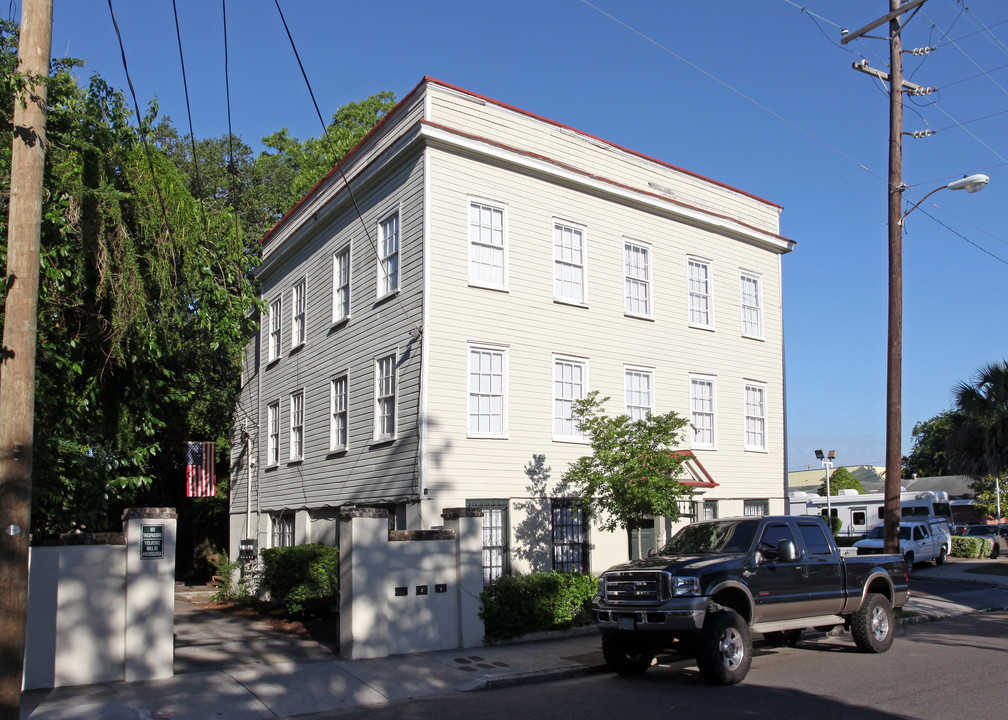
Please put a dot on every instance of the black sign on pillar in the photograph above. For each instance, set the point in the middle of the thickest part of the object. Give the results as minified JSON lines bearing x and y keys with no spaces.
{"x":151,"y":542}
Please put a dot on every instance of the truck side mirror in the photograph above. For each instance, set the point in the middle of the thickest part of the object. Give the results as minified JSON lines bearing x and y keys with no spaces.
{"x":787,"y":551}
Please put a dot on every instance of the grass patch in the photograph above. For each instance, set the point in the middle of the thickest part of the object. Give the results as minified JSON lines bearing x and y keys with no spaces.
{"x":994,"y":569}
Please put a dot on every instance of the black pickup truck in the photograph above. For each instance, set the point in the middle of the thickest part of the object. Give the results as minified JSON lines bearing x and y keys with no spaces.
{"x":716,"y":582}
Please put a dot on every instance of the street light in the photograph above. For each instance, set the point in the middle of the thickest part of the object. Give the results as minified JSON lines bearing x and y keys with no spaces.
{"x":970,"y":183}
{"x":894,"y":372}
{"x":827,"y":462}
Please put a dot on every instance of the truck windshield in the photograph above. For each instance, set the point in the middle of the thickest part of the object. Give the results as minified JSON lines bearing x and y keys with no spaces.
{"x":735,"y":536}
{"x":876,"y":532}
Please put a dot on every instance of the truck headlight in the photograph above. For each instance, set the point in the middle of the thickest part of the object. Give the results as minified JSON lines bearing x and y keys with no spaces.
{"x":682,"y":586}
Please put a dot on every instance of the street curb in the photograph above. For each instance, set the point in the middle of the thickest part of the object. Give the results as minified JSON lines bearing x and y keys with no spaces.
{"x":542,"y":676}
{"x":918,"y":619}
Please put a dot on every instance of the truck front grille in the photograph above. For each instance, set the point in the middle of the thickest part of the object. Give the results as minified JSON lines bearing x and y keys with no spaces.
{"x":635,"y":587}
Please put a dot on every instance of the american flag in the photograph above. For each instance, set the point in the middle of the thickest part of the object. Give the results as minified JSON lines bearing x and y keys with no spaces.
{"x":201,"y":476}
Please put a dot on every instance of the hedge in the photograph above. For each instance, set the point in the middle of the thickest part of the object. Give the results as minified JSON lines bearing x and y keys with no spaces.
{"x":303,"y":578}
{"x":516,"y":605}
{"x":971,"y":547}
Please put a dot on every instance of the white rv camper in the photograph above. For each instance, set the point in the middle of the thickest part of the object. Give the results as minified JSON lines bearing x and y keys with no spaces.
{"x":859,"y":513}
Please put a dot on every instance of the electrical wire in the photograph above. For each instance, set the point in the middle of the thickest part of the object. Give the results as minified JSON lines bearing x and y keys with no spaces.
{"x":782,"y":118}
{"x":735,"y":90}
{"x":232,"y":165}
{"x":963,"y":237}
{"x":140,"y":125}
{"x":966,"y":55}
{"x":192,"y":136}
{"x":339,"y":165}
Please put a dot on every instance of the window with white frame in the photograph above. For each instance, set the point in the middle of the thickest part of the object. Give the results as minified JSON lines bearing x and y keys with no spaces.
{"x":297,"y":425}
{"x":701,"y":308}
{"x":755,"y":416}
{"x":751,"y":292}
{"x":755,"y":507}
{"x":637,"y":279}
{"x":385,"y":398}
{"x":283,"y":530}
{"x":570,"y":379}
{"x":569,"y":256}
{"x":487,"y":244}
{"x":703,"y":405}
{"x":388,"y":259}
{"x":275,"y":320}
{"x":273,"y":433}
{"x":710,"y":509}
{"x":639,"y":391}
{"x":487,"y":391}
{"x":338,"y":425}
{"x":298,"y":314}
{"x":341,"y":285}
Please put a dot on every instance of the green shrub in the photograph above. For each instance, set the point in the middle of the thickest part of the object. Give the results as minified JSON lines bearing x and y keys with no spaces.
{"x":521,"y":604}
{"x":971,"y":547}
{"x":234,"y":586}
{"x":304,"y":579}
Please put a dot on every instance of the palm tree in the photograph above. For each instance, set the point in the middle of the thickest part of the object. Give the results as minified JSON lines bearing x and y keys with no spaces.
{"x":977,"y":444}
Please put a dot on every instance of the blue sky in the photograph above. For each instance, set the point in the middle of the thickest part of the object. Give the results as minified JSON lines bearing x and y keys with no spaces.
{"x":758,"y":95}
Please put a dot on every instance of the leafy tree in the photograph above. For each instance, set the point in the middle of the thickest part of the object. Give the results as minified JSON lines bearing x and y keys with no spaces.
{"x":841,"y":479}
{"x":985,"y":495}
{"x":633,"y":468}
{"x":289,"y":168}
{"x":927,"y":456}
{"x":978,"y":441}
{"x":145,"y":292}
{"x":141,"y":309}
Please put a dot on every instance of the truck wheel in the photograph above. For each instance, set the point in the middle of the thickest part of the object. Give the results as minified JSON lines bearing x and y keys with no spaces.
{"x":724,"y":652}
{"x":996,"y":552}
{"x":872,"y":626}
{"x":909,"y":558}
{"x":624,"y":656}
{"x":942,"y":556}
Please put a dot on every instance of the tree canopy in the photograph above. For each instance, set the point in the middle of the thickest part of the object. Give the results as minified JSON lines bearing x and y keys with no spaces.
{"x":927,"y":456}
{"x":977,"y":441}
{"x":146,"y":288}
{"x":841,"y":479}
{"x":633,"y":470}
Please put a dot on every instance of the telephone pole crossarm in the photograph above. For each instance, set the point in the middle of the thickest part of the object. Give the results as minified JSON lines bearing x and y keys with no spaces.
{"x":908,"y":87}
{"x":910,"y":5}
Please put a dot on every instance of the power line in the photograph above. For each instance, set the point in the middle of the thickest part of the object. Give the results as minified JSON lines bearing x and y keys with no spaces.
{"x":232,"y":165}
{"x":734,"y":89}
{"x":339,"y":165}
{"x":192,"y":137}
{"x":140,"y":124}
{"x":963,"y":237}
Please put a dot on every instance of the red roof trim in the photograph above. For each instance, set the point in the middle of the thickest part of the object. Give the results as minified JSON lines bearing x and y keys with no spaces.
{"x":349,"y":157}
{"x":708,"y":483}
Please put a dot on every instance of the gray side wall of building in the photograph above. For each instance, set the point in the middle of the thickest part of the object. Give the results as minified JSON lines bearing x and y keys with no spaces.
{"x":366,"y":471}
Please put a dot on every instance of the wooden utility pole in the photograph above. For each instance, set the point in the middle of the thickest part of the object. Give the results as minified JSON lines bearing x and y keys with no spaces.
{"x":894,"y":365}
{"x":894,"y":374}
{"x":17,"y":365}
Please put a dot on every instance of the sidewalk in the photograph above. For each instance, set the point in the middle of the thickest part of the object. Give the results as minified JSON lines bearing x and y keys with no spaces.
{"x":241,"y":669}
